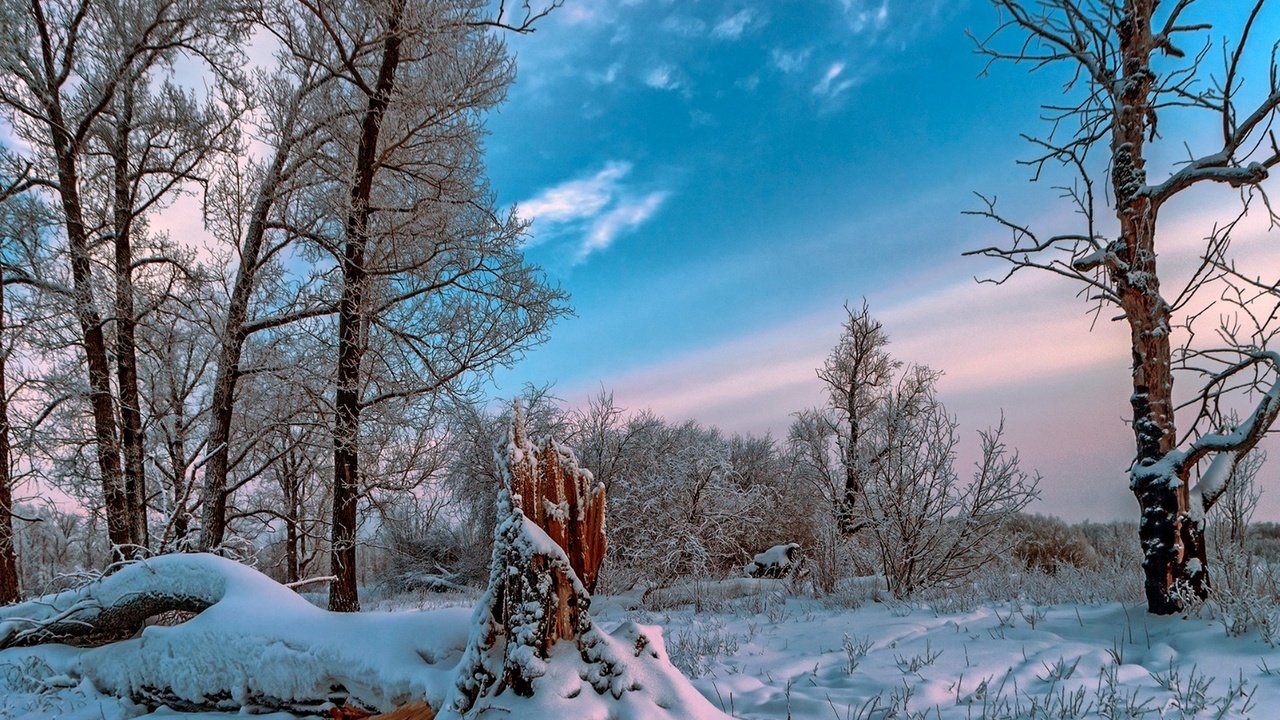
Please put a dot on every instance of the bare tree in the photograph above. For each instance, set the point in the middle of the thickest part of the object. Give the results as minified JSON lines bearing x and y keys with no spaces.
{"x":1128,"y":65}
{"x":433,"y":286}
{"x":77,"y":74}
{"x":928,"y":527}
{"x":856,"y":373}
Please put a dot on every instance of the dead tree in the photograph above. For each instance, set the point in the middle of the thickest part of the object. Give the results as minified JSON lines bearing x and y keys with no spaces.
{"x":1127,"y":63}
{"x":547,"y":551}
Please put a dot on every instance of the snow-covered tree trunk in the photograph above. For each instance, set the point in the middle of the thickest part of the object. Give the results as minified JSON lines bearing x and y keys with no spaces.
{"x":548,"y":546}
{"x":532,"y":631}
{"x":1127,"y":59}
{"x":8,"y":556}
{"x":1163,"y":499}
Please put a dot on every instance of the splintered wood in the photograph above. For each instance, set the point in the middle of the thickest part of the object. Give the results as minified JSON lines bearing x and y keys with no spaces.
{"x":558,"y":496}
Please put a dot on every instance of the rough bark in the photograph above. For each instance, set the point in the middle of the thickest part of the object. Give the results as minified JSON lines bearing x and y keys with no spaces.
{"x":126,"y":323}
{"x":8,"y":554}
{"x":1169,"y":538}
{"x":101,"y":401}
{"x":343,"y":597}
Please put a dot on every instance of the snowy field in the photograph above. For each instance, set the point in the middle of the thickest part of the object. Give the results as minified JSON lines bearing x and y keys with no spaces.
{"x":762,"y":655}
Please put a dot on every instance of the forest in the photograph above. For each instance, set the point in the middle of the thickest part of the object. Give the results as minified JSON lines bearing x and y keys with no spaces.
{"x":256,"y":283}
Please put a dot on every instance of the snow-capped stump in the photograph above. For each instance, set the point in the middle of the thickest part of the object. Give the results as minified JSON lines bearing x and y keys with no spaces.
{"x":533,"y":649}
{"x":779,"y":561}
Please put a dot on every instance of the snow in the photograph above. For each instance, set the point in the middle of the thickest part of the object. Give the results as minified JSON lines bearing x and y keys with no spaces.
{"x":778,"y":556}
{"x":759,"y":657}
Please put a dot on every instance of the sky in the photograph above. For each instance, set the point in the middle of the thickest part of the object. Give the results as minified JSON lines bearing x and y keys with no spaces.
{"x":713,"y":180}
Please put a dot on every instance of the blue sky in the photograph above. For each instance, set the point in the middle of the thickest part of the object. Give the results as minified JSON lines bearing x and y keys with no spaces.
{"x":735,"y":164}
{"x":712,"y":180}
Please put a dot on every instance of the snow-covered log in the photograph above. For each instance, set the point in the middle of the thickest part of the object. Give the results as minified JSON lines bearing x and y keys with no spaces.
{"x":256,"y":644}
{"x":534,"y":650}
{"x":779,"y":561}
{"x":115,"y":607}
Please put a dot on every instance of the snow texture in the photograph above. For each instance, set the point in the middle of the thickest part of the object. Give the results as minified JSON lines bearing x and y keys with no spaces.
{"x":765,"y":660}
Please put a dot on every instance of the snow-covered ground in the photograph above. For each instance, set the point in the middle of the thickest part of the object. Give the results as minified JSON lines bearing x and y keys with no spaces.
{"x":798,"y":658}
{"x":768,"y":655}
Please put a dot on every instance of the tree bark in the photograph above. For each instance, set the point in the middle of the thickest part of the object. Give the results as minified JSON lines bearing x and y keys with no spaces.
{"x":548,"y":547}
{"x":8,"y":554}
{"x":1168,"y":536}
{"x":222,"y":407}
{"x":126,"y":353}
{"x":343,"y":597}
{"x":115,"y":494}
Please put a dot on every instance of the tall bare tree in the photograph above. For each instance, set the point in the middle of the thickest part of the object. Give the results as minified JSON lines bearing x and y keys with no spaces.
{"x":9,"y":188}
{"x":77,"y":75}
{"x":858,"y":373}
{"x":1128,"y":64}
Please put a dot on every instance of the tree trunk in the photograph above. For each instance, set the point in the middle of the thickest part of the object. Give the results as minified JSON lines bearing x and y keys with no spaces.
{"x":1169,"y":538}
{"x":290,"y":486}
{"x":131,"y":436}
{"x":178,"y":467}
{"x":343,"y":596}
{"x":548,"y":547}
{"x":114,"y":492}
{"x":222,"y":408}
{"x":8,"y":555}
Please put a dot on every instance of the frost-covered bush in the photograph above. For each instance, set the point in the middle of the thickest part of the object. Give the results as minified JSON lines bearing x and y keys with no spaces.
{"x":689,"y":502}
{"x":929,"y":527}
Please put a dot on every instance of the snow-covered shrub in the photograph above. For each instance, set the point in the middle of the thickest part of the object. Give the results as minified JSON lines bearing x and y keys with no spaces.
{"x":687,"y":502}
{"x":696,"y":648}
{"x":929,"y":527}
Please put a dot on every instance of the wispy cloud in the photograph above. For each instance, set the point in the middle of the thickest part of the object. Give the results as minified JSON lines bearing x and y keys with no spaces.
{"x":790,"y":61}
{"x":732,"y":27}
{"x":834,"y":82}
{"x":626,"y":216}
{"x":863,"y":15}
{"x":662,"y":77}
{"x":596,"y":210}
{"x":577,"y":199}
{"x":684,"y":25}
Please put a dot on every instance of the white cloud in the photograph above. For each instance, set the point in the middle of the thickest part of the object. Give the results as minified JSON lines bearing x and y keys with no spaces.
{"x":627,"y":215}
{"x":832,"y":83}
{"x":684,"y":26}
{"x":863,"y":15}
{"x":731,"y":28}
{"x":598,"y":208}
{"x":576,"y":199}
{"x":662,"y":77}
{"x":607,"y":77}
{"x":790,"y":61}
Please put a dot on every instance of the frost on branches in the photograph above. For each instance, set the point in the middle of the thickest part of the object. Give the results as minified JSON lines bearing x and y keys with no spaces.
{"x":533,"y":647}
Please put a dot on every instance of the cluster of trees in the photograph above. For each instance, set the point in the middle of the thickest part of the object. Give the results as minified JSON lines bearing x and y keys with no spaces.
{"x":310,"y":358}
{"x":353,"y":273}
{"x":866,"y":484}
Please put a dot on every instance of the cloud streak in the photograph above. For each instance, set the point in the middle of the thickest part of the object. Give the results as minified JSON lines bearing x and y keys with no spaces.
{"x":732,"y":27}
{"x":834,"y":82}
{"x":594,"y":210}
